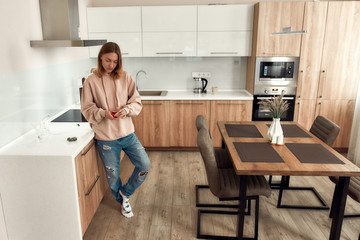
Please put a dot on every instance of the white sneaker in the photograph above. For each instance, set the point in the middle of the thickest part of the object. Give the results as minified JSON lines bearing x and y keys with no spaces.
{"x":126,"y":207}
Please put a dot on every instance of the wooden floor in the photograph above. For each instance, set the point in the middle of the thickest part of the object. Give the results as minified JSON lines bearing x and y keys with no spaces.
{"x":164,"y":207}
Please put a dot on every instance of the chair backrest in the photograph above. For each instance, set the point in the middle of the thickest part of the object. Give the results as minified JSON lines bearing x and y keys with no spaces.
{"x":201,"y":122}
{"x":325,"y":129}
{"x":208,"y":155}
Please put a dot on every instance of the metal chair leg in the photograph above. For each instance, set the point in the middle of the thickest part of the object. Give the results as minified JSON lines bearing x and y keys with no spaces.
{"x":284,"y":186}
{"x":207,"y":236}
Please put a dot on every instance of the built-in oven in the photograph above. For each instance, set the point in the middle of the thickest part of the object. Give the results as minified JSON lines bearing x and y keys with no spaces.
{"x":267,"y":92}
{"x":262,"y":114}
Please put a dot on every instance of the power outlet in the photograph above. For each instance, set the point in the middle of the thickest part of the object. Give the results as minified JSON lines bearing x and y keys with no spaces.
{"x":201,"y":74}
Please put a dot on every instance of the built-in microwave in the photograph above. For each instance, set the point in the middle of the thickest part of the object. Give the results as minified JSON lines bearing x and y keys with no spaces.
{"x":276,"y":70}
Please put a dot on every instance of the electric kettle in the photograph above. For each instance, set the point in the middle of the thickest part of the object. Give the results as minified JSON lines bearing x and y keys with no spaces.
{"x":200,"y":85}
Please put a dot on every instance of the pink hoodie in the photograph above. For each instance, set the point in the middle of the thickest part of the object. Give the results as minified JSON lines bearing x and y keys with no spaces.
{"x":100,"y":94}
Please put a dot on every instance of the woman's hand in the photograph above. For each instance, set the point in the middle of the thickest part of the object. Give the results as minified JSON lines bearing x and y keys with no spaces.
{"x":114,"y":115}
{"x":121,"y":114}
{"x":109,"y":115}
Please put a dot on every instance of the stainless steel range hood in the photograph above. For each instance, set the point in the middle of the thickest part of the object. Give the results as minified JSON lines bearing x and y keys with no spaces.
{"x":60,"y":25}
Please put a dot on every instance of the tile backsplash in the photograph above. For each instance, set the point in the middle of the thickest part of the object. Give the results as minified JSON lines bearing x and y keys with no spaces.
{"x":27,"y":97}
{"x":176,"y":73}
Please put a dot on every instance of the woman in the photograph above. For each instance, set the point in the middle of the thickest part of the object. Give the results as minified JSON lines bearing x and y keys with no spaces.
{"x":108,"y":102}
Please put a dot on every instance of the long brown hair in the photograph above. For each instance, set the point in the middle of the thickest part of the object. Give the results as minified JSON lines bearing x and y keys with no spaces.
{"x":109,"y":47}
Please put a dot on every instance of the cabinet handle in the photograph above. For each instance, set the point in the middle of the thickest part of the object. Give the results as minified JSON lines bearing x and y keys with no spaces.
{"x":152,"y":103}
{"x":189,"y":103}
{"x":124,"y":53}
{"x":92,"y":186}
{"x":301,"y":82}
{"x":319,"y":108}
{"x":298,"y":115}
{"x":278,"y":53}
{"x":88,"y":149}
{"x":323,"y":83}
{"x":230,"y":104}
{"x":170,"y":53}
{"x":223,"y":52}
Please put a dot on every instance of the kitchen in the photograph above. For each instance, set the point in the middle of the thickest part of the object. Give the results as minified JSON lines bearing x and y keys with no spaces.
{"x":57,"y":72}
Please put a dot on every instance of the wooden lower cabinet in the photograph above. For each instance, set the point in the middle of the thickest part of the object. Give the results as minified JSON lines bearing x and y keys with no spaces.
{"x":183,"y":132}
{"x":227,"y":111}
{"x":91,"y":182}
{"x":152,"y":124}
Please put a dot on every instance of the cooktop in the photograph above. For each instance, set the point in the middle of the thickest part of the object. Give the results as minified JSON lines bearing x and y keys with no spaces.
{"x":72,"y":115}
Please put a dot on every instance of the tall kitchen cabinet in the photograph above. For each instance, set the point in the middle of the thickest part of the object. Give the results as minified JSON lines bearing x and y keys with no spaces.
{"x":116,"y":24}
{"x":329,"y":61}
{"x":269,"y":18}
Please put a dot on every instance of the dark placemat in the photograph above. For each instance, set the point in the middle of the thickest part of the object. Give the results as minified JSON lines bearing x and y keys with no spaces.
{"x":312,"y":153}
{"x":293,"y":131}
{"x":257,"y":152}
{"x":239,"y":130}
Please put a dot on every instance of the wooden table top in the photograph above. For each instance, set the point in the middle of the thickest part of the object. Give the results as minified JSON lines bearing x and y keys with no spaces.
{"x":291,"y":165}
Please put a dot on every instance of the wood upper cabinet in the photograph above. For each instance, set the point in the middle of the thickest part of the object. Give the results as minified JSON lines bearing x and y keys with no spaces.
{"x":341,"y":54}
{"x":91,"y":182}
{"x":272,"y":17}
{"x":183,"y":132}
{"x":152,"y":124}
{"x":227,"y":111}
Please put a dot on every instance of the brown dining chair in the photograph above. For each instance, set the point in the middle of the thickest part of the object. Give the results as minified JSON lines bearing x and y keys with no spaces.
{"x":224,"y":184}
{"x":353,"y":192}
{"x":222,"y":161}
{"x":326,"y":131}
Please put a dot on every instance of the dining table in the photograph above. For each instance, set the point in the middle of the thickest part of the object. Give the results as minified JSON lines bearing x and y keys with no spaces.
{"x":302,"y":154}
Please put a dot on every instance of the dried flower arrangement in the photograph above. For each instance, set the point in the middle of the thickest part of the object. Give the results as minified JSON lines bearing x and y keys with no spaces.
{"x":276,"y":105}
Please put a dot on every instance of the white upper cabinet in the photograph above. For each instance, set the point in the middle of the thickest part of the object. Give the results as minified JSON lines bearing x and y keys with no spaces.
{"x":225,"y":30}
{"x":169,"y":31}
{"x":130,"y":43}
{"x":114,"y":19}
{"x":225,"y":18}
{"x":169,"y":18}
{"x":162,"y":44}
{"x":116,"y":24}
{"x":224,"y":44}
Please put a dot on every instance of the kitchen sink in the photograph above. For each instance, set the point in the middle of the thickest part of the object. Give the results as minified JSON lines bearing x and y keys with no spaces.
{"x":152,"y":93}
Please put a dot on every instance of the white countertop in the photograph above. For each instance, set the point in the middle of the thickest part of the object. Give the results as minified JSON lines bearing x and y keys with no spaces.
{"x":55,"y":141}
{"x":240,"y":94}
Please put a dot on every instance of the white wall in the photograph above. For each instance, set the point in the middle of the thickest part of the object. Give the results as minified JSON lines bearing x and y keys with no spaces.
{"x":34,"y":81}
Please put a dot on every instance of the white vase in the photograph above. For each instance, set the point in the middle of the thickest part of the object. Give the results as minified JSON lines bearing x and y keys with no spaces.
{"x":275,"y":132}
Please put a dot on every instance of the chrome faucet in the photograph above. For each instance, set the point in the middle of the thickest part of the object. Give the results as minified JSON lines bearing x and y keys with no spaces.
{"x":136,"y":78}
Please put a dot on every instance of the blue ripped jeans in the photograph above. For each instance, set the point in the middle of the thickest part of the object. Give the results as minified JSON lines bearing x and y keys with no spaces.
{"x":110,"y":155}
